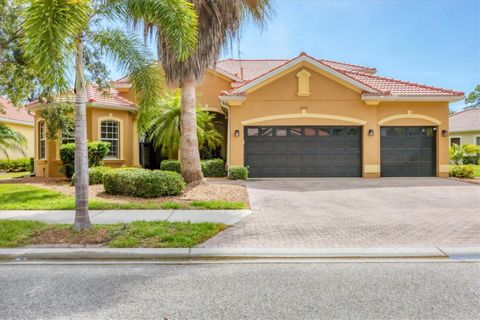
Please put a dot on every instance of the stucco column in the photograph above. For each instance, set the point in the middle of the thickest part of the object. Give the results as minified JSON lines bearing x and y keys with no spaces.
{"x":135,"y":145}
{"x":371,"y":150}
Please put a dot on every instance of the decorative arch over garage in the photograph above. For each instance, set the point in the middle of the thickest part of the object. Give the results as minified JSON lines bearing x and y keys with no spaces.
{"x":409,"y":116}
{"x":303,"y":115}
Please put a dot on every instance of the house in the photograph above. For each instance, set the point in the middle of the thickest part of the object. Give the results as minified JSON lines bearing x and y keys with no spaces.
{"x":19,"y":120}
{"x":465,"y":126}
{"x":299,"y":117}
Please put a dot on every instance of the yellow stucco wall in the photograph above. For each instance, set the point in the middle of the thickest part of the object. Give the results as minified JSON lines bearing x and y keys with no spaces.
{"x":332,"y":103}
{"x":50,"y":166}
{"x":27,"y":132}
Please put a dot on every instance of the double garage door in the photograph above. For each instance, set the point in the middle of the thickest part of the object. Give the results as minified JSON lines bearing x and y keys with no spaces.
{"x":336,"y":151}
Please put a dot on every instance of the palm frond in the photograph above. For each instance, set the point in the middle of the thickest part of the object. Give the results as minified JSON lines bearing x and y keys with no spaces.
{"x":11,"y":140}
{"x":130,"y":55}
{"x":50,"y":29}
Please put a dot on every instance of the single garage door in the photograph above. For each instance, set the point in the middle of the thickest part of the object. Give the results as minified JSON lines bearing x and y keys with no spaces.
{"x":407,"y":151}
{"x":303,"y":151}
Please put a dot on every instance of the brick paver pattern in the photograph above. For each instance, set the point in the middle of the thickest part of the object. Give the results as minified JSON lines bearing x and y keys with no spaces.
{"x":386,"y":212}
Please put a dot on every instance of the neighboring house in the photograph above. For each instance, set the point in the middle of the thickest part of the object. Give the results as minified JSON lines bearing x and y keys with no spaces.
{"x":18,"y":119}
{"x":300,"y":117}
{"x":465,"y":126}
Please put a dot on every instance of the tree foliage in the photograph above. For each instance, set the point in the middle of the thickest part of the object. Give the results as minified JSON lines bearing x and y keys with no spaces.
{"x":164,"y":127}
{"x":11,"y":140}
{"x":458,"y":152}
{"x":473,"y":98}
{"x":59,"y":119}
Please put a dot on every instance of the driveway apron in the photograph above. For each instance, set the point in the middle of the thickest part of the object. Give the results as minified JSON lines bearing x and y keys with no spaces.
{"x":356,"y":212}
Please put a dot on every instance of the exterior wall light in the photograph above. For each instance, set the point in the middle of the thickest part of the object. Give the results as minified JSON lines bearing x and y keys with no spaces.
{"x":237,"y":133}
{"x":371,"y":133}
{"x":444,"y":133}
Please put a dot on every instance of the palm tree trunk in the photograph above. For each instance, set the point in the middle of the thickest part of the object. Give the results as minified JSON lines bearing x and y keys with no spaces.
{"x":189,"y":154}
{"x":82,"y":219}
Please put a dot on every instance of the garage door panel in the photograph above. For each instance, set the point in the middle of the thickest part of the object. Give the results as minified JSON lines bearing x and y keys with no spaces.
{"x":304,"y":151}
{"x":407,"y":151}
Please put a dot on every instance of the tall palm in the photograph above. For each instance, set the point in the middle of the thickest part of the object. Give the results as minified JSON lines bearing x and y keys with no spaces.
{"x":56,"y":33}
{"x":218,"y":23}
{"x":11,"y":140}
{"x":164,"y":127}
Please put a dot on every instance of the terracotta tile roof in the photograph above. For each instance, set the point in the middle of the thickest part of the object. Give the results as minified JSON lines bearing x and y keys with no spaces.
{"x":466,"y":120}
{"x":107,"y":97}
{"x":249,"y":69}
{"x":12,"y":113}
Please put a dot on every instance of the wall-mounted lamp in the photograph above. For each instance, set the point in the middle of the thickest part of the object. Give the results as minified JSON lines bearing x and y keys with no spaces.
{"x":444,"y":133}
{"x":371,"y":133}
{"x":237,"y":133}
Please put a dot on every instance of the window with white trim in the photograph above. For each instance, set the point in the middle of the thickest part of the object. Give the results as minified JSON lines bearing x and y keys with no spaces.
{"x":477,"y":140}
{"x":110,"y":132}
{"x":455,"y":140}
{"x":42,"y":140}
{"x":68,"y":137}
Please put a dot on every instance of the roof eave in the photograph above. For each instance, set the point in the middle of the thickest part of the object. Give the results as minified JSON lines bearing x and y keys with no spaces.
{"x":13,"y":121}
{"x":412,"y":98}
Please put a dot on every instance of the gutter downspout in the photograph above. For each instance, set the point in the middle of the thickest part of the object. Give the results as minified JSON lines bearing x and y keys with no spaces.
{"x":224,"y":105}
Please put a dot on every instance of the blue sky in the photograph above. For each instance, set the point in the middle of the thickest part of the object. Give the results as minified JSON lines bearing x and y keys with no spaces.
{"x":431,"y":42}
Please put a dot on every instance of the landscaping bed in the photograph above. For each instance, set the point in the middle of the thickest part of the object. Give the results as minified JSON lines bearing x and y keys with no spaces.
{"x":36,"y":193}
{"x":139,"y":234}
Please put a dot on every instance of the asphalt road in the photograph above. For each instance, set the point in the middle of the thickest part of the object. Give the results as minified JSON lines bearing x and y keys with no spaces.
{"x":242,"y":291}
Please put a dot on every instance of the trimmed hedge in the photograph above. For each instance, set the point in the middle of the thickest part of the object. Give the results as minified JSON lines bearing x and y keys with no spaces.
{"x":97,"y":150}
{"x":170,"y":165}
{"x":143,"y":183}
{"x":213,"y":168}
{"x":471,"y":159}
{"x":16,"y":165}
{"x":462,"y":171}
{"x":238,"y":173}
{"x":210,"y":168}
{"x":95,"y":175}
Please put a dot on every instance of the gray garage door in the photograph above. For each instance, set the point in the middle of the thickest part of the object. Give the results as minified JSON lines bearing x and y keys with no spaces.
{"x":303,"y":151}
{"x":407,"y":151}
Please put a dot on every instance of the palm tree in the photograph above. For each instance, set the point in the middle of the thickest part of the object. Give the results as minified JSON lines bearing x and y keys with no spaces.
{"x":164,"y":126}
{"x":218,"y":24}
{"x":11,"y":140}
{"x":56,"y":33}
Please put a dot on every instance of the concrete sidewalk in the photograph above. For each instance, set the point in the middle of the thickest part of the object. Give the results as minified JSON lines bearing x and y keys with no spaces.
{"x":238,"y":254}
{"x":228,"y":217}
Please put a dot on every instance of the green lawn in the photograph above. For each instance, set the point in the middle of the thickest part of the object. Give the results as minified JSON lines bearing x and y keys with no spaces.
{"x":139,"y":234}
{"x":26,"y":197}
{"x":9,"y":175}
{"x":476,"y":169}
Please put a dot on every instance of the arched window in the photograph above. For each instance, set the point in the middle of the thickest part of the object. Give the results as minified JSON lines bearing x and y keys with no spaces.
{"x":42,"y":140}
{"x":110,"y":132}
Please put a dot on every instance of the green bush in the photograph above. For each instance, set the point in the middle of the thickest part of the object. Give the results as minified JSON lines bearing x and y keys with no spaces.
{"x":238,"y":173}
{"x":16,"y":165}
{"x":143,"y":183}
{"x":170,"y":165}
{"x":210,"y":168}
{"x":213,"y":168}
{"x":462,"y":171}
{"x":470,"y":159}
{"x":95,"y":175}
{"x":97,"y":150}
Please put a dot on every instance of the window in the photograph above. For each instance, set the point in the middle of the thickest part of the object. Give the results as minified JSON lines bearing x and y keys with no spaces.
{"x":267,"y":132}
{"x":477,"y":140}
{"x":281,"y":132}
{"x":42,"y":140}
{"x":310,"y":132}
{"x":252,"y":132}
{"x":110,"y":132}
{"x":455,"y":141}
{"x":68,"y":137}
{"x":295,"y":132}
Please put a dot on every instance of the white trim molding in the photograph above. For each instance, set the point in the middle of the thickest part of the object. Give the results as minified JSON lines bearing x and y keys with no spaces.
{"x":20,"y":122}
{"x":409,"y":116}
{"x":303,"y":116}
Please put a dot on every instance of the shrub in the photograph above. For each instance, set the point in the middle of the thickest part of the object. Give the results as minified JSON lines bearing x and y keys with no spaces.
{"x":97,"y":150}
{"x":143,"y":183}
{"x":213,"y":168}
{"x":238,"y":173}
{"x":95,"y":175}
{"x":470,"y":159}
{"x":210,"y":168}
{"x":170,"y":165}
{"x":462,"y":171}
{"x":16,"y":165}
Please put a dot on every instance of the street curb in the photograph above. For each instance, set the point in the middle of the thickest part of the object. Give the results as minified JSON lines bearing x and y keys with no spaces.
{"x":192,"y":254}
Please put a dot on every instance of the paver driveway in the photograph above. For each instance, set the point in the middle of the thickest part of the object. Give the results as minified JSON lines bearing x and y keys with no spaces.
{"x":413,"y":212}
